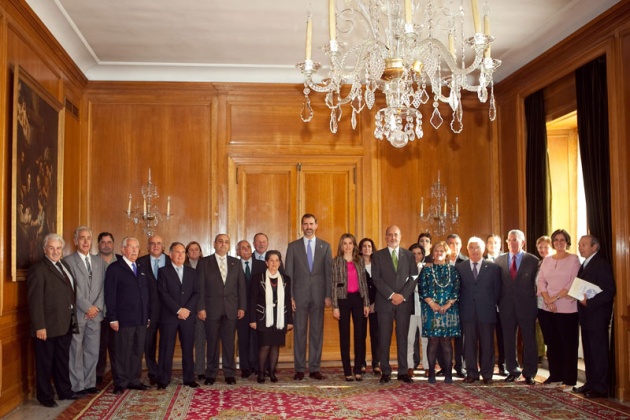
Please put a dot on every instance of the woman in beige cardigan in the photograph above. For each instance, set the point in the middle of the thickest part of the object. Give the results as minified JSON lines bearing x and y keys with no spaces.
{"x":350,"y":299}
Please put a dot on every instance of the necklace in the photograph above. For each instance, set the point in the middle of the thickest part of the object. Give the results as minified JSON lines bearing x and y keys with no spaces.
{"x":435,"y":279}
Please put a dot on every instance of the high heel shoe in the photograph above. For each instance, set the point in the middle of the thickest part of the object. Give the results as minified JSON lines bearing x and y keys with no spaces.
{"x":272,"y":377}
{"x":358,"y":378}
{"x":377,"y":371}
{"x":261,"y":379}
{"x":349,"y":378}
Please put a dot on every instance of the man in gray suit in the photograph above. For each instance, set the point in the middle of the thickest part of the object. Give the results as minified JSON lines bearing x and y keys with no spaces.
{"x":392,"y":271}
{"x":518,"y":306}
{"x":222,"y":300}
{"x":89,"y":274}
{"x":480,"y":288}
{"x":308,"y":265}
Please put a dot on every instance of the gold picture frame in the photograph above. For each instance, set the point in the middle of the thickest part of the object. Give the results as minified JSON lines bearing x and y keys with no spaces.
{"x":37,"y":171}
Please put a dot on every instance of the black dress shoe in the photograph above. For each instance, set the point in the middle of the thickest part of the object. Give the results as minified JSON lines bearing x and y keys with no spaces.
{"x":503,"y":372}
{"x":92,"y":390}
{"x":316,"y":375}
{"x":161,"y":386}
{"x":83,"y":392}
{"x":139,"y":387}
{"x":72,"y":396}
{"x":461,"y":373}
{"x":261,"y":379}
{"x":594,"y":394}
{"x":298,"y":376}
{"x":210,"y":381}
{"x":384,"y":379}
{"x":487,"y":381}
{"x":511,"y":378}
{"x":246,"y":374}
{"x":529,"y":380}
{"x":580,"y":389}
{"x":153,"y":380}
{"x":192,"y":384}
{"x":201,"y":377}
{"x":118,"y":390}
{"x":470,"y":380}
{"x":273,"y":377}
{"x":405,"y":378}
{"x":230,"y":381}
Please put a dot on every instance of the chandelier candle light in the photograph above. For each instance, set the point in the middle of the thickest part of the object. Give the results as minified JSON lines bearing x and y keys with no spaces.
{"x":396,"y":46}
{"x":441,"y":216}
{"x":149,"y":216}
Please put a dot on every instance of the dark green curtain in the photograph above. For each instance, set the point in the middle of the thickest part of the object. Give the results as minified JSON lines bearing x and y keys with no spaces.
{"x":537,"y":181}
{"x":592,"y":113}
{"x":592,"y":104}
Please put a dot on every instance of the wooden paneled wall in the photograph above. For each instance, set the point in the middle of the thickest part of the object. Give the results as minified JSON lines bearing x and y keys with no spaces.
{"x":607,"y":35}
{"x":25,"y":43}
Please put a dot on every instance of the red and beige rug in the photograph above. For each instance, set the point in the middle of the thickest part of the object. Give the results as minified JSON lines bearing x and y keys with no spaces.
{"x":334,"y":398}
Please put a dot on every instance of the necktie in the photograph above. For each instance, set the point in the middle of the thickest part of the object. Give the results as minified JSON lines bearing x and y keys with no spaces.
{"x":248,"y":272}
{"x":89,"y":267}
{"x":513,"y":267}
{"x":395,"y":260}
{"x":66,"y":278}
{"x":156,"y":266}
{"x":309,"y":255}
{"x":135,"y":268}
{"x":179,"y":274}
{"x":223,"y":269}
{"x":475,"y":272}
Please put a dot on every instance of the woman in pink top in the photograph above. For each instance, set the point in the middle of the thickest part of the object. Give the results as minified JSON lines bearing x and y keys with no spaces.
{"x":558,"y":316}
{"x":350,"y":298}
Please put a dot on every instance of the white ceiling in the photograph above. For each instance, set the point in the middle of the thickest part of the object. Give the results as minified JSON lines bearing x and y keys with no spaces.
{"x":258,"y":40}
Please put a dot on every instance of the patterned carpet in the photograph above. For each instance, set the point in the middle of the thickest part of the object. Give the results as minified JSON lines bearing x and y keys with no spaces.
{"x":338,"y":399}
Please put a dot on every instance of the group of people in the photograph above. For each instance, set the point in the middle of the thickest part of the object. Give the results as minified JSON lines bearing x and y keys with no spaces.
{"x":86,"y":306}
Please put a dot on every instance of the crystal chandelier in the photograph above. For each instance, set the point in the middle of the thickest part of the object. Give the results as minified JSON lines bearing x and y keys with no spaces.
{"x":148,"y":216}
{"x":443,"y":217}
{"x":414,"y":51}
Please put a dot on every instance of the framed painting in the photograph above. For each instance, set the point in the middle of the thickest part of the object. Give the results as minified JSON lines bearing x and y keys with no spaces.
{"x":37,"y":171}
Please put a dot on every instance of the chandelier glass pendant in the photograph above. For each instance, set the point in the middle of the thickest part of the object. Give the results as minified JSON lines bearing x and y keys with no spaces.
{"x":414,"y":51}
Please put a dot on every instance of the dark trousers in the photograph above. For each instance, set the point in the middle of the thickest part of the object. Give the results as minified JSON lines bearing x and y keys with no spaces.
{"x":150,"y":350}
{"x":129,"y":349}
{"x":595,"y":344}
{"x":372,"y":324}
{"x":52,"y":358}
{"x":247,"y":355}
{"x":500,"y":347}
{"x":386,"y":318}
{"x":459,"y":353}
{"x":530,"y":346}
{"x":562,"y":338}
{"x":223,"y":331}
{"x":352,"y":307}
{"x":168,"y":335}
{"x":106,"y":345}
{"x":478,"y":345}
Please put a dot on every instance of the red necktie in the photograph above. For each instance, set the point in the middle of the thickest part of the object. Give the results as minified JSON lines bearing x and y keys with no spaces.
{"x":513,"y":267}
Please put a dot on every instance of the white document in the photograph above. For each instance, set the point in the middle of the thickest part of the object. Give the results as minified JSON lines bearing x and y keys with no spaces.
{"x":581,"y":287}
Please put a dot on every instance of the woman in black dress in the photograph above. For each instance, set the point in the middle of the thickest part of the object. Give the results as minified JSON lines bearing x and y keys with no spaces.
{"x":270,"y":314}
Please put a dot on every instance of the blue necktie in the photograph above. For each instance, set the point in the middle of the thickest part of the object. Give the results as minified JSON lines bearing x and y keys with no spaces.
{"x":135,"y":268}
{"x":179,"y":274}
{"x":156,"y":266}
{"x":309,"y":255}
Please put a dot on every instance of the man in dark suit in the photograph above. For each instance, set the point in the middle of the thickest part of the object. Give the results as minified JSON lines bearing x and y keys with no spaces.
{"x":152,"y":262}
{"x":309,"y":266}
{"x":247,"y":342}
{"x":595,"y":313}
{"x":128,"y":306}
{"x":392,"y":271}
{"x":51,"y":306}
{"x":106,"y":344}
{"x":222,"y":300}
{"x":179,"y":291}
{"x":454,"y":242}
{"x":88,"y":272}
{"x":518,"y":306}
{"x":479,"y":292}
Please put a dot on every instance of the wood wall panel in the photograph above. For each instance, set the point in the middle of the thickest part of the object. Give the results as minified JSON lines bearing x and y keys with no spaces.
{"x":607,"y":35}
{"x":170,"y":138}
